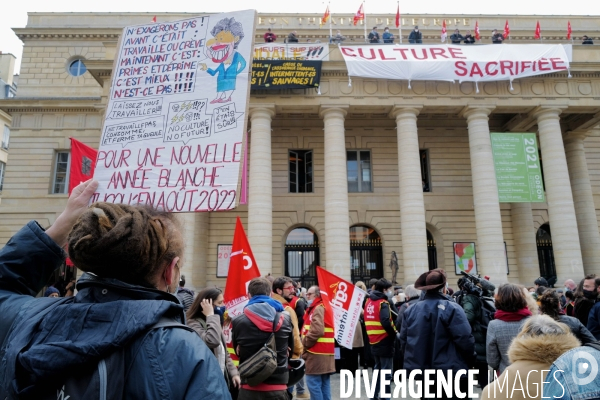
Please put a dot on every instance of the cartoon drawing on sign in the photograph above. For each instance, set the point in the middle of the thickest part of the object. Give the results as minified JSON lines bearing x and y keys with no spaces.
{"x":227,"y":34}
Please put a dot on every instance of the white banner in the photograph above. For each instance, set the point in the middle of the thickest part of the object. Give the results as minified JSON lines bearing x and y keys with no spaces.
{"x":174,"y":124}
{"x":292,"y":51}
{"x":474,"y":63}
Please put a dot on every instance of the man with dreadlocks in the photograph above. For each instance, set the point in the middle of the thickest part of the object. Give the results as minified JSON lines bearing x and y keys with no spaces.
{"x":227,"y":35}
{"x":123,"y":334}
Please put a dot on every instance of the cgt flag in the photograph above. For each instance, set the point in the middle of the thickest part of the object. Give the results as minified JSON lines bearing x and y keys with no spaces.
{"x":83,"y":163}
{"x":538,"y":31}
{"x":444,"y":32}
{"x":477,"y":34}
{"x":242,"y":269}
{"x":343,"y":302}
{"x":360,"y":15}
{"x":398,"y":17}
{"x":569,"y":30}
{"x":506,"y":32}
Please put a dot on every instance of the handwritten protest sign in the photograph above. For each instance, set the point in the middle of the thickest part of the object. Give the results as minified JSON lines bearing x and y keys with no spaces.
{"x":174,"y":124}
{"x":291,"y":51}
{"x":279,"y":74}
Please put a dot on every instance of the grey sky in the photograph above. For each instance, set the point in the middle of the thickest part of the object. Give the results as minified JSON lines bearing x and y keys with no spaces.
{"x":15,"y":14}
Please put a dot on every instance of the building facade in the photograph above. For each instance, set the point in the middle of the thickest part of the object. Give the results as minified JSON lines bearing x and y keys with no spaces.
{"x":344,"y":177}
{"x":8,"y":89}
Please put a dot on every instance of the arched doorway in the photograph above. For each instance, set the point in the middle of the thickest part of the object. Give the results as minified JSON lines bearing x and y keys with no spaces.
{"x":543,"y":239}
{"x":302,"y":256}
{"x":431,"y":251}
{"x":366,"y":254}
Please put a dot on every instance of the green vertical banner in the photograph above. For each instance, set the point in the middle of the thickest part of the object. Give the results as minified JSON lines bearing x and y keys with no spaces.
{"x":518,"y":172}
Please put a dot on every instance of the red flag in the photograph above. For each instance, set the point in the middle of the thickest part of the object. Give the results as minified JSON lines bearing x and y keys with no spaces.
{"x":242,"y":269}
{"x":398,"y":17}
{"x":477,"y":34}
{"x":569,"y":30}
{"x":83,"y":163}
{"x":325,"y":16}
{"x":538,"y":31}
{"x":444,"y":33}
{"x":343,"y":303}
{"x":324,"y":279}
{"x":506,"y":32}
{"x":154,"y":19}
{"x":360,"y":15}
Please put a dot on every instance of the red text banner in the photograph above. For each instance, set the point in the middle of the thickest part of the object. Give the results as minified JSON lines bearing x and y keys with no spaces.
{"x":346,"y":302}
{"x":456,"y":63}
{"x":173,"y":131}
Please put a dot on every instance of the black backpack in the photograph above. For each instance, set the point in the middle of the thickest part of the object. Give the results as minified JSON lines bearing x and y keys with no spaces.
{"x":104,"y":381}
{"x":488,"y":309}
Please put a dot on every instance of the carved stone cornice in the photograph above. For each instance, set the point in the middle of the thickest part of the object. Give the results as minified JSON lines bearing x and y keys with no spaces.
{"x":52,"y":105}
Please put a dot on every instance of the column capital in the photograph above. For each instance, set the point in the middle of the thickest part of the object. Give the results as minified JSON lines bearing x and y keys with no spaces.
{"x":546,"y":111}
{"x":398,"y":110}
{"x":330,"y":108}
{"x":268,"y":108}
{"x":576,"y":135}
{"x":479,"y":110}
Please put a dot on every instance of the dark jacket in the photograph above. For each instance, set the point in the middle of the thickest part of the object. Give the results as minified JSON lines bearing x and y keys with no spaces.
{"x":186,"y":297}
{"x":469,"y":39}
{"x":577,"y":329}
{"x":388,"y":37}
{"x":593,"y":324}
{"x":498,"y":38}
{"x":292,"y":38}
{"x":47,"y":339}
{"x":415,"y":37}
{"x":373,"y":37}
{"x":472,"y":306}
{"x":436,"y":335}
{"x":402,"y":309}
{"x":456,"y":38}
{"x":384,"y":348}
{"x":583,"y":307}
{"x":252,"y":329}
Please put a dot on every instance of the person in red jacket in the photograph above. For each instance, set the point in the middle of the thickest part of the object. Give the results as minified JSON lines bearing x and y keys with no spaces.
{"x":319,"y":348}
{"x":269,"y":36}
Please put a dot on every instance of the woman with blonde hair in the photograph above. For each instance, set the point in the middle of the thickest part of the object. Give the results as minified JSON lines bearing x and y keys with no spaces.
{"x":541,"y":341}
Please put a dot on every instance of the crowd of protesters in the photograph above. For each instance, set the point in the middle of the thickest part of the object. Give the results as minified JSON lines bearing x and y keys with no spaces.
{"x":133,"y":330}
{"x":414,"y":37}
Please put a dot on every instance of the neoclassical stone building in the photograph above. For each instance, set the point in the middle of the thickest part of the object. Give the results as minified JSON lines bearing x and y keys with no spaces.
{"x":364,"y":170}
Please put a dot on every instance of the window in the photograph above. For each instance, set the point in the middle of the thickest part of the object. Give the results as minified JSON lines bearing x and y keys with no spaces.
{"x":2,"y":169}
{"x":77,"y":68}
{"x":301,"y":171}
{"x":358,"y":163}
{"x":5,"y":137}
{"x":424,"y":155}
{"x":60,"y":181}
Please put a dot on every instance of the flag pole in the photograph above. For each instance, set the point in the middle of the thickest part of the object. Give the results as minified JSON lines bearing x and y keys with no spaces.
{"x":399,"y":23}
{"x":365,"y":21}
{"x":330,"y":28}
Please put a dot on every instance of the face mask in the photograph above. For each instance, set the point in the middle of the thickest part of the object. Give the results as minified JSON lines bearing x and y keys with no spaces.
{"x":389,"y":293}
{"x":590,"y":294}
{"x":220,"y":311}
{"x":309,"y":302}
{"x":416,"y":30}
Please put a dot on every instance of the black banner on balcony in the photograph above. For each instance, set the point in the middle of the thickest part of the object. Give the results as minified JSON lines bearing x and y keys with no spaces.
{"x":285,"y":74}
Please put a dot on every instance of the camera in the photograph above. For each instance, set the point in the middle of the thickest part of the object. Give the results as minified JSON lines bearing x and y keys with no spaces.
{"x":486,"y":287}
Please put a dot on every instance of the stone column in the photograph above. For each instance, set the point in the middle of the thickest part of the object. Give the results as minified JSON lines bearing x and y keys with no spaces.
{"x":260,"y":197}
{"x":527,"y":269}
{"x":585,"y":210}
{"x":490,"y":253}
{"x":412,"y":207}
{"x":563,"y":221}
{"x":195,"y":257}
{"x":337,"y":222}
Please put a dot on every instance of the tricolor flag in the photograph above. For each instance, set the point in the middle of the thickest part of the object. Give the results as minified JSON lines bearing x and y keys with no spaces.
{"x":360,"y":15}
{"x":398,"y":17}
{"x":569,"y":30}
{"x":83,"y":163}
{"x":444,"y":33}
{"x":477,"y":34}
{"x":242,"y":269}
{"x":154,"y":19}
{"x":506,"y":32}
{"x":325,"y":17}
{"x":343,"y":304}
